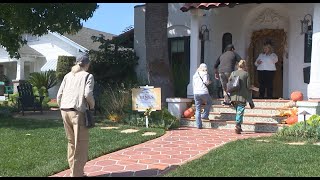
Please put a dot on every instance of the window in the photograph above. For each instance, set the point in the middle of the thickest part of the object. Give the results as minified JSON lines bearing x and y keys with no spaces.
{"x":308,"y":45}
{"x":31,"y":38}
{"x":306,"y":74}
{"x":226,"y":40}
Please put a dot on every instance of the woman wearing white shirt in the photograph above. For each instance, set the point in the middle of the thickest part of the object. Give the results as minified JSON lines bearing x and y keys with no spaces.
{"x":266,"y":69}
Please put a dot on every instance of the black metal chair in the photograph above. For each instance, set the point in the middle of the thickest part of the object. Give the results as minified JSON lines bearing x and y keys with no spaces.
{"x":27,"y":101}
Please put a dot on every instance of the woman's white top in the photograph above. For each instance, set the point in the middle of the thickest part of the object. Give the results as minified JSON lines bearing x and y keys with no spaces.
{"x":268,"y":62}
{"x":199,"y":86}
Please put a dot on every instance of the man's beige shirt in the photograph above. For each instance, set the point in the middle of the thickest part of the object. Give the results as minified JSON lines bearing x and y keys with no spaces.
{"x":75,"y":93}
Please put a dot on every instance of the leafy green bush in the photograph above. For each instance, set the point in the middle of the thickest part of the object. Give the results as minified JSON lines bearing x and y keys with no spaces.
{"x":46,"y":79}
{"x":6,"y":110}
{"x":113,"y":63}
{"x":163,"y":119}
{"x":42,"y":92}
{"x":157,"y":119}
{"x":311,"y":130}
{"x":64,"y":66}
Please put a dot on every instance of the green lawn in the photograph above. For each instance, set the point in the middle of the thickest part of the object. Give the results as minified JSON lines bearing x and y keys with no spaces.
{"x":39,"y":147}
{"x":251,"y":158}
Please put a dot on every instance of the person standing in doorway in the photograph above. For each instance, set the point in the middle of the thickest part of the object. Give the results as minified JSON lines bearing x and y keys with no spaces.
{"x":240,"y":97}
{"x":266,"y":69}
{"x":201,"y":94}
{"x":75,"y":92}
{"x":223,"y":67}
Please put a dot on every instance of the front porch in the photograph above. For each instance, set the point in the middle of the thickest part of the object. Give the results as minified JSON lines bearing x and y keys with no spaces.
{"x":245,"y":31}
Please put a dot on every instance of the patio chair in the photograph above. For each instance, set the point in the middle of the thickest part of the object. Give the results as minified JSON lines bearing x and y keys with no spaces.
{"x":27,"y":101}
{"x":8,"y":89}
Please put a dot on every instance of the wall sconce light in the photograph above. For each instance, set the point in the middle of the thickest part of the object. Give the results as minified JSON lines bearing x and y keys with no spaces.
{"x":305,"y":24}
{"x":204,"y":33}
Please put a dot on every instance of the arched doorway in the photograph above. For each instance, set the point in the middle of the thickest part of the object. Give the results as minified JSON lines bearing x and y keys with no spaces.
{"x":278,"y":41}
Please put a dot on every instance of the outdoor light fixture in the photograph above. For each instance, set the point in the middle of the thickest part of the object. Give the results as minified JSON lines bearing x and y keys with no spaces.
{"x":305,"y":23}
{"x":304,"y":113}
{"x":204,"y":33}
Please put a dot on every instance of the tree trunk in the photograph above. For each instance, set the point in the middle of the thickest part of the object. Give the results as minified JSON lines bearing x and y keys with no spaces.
{"x":156,"y":37}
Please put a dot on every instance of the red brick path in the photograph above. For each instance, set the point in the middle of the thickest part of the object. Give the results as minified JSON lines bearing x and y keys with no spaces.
{"x":157,"y":156}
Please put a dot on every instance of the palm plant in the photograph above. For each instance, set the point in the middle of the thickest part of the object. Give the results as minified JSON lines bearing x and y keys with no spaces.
{"x":46,"y":79}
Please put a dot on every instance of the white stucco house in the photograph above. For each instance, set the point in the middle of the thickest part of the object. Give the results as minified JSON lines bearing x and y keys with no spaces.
{"x":247,"y":26}
{"x":41,"y":53}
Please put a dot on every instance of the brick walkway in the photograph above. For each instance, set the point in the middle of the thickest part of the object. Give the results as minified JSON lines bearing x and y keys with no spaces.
{"x":157,"y":156}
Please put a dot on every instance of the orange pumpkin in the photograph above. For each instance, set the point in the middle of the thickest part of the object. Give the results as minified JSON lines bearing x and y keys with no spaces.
{"x":188,"y":113}
{"x":292,"y":120}
{"x":296,"y":96}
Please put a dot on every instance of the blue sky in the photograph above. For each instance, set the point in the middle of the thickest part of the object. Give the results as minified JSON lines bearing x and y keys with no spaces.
{"x":112,"y":17}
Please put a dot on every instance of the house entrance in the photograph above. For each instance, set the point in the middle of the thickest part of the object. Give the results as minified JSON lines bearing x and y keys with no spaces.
{"x":277,"y":38}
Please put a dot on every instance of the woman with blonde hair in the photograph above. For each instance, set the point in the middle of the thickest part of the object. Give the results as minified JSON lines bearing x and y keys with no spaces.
{"x":74,"y":96}
{"x":201,"y":93}
{"x":266,"y":69}
{"x":240,"y":97}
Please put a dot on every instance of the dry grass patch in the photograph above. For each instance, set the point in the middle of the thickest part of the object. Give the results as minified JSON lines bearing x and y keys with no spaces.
{"x":129,"y":131}
{"x":109,"y":127}
{"x":149,"y":134}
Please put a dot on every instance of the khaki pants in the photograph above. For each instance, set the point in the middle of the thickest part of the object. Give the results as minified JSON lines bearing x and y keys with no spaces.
{"x":224,"y":78}
{"x":78,"y":140}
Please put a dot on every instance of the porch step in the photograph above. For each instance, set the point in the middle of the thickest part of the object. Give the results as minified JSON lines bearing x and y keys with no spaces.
{"x":263,"y":118}
{"x":230,"y":124}
{"x":256,"y":110}
{"x":260,"y":102}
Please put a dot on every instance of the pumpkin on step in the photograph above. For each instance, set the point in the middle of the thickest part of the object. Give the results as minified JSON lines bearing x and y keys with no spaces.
{"x":188,"y":113}
{"x":292,"y":120}
{"x":296,"y":96}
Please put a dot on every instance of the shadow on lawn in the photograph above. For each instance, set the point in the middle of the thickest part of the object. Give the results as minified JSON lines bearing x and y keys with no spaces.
{"x":23,"y":123}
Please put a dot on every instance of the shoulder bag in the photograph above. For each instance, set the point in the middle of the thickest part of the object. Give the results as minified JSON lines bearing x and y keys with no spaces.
{"x":89,"y":120}
{"x":233,"y":83}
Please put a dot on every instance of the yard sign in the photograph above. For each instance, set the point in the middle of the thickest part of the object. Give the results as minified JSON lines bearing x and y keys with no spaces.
{"x":146,"y":97}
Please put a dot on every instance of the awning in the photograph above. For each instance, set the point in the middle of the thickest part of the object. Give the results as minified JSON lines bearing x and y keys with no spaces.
{"x":50,"y":65}
{"x":187,"y":6}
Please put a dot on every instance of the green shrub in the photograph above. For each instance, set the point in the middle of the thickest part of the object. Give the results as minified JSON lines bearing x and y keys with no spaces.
{"x":112,"y":63}
{"x":64,"y":66}
{"x":6,"y":110}
{"x":311,"y":130}
{"x":13,"y":100}
{"x":157,"y":119}
{"x":46,"y":79}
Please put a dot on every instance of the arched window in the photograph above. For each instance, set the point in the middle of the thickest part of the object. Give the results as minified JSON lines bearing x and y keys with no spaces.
{"x":226,"y":39}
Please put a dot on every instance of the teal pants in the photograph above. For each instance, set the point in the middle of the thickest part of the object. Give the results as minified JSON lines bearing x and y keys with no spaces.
{"x":240,"y":107}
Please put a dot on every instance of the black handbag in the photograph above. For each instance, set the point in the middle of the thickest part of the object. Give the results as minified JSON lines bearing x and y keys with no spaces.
{"x":89,"y":120}
{"x":233,"y":83}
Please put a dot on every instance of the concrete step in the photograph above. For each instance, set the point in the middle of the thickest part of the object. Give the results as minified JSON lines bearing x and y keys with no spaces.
{"x":230,"y":124}
{"x":261,"y":118}
{"x":256,"y":110}
{"x":260,"y":102}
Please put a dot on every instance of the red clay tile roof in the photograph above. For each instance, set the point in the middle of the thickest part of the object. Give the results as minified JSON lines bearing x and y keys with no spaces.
{"x":187,"y":6}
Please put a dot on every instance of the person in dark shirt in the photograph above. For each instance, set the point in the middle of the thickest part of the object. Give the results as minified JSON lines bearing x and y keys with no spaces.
{"x":223,"y":67}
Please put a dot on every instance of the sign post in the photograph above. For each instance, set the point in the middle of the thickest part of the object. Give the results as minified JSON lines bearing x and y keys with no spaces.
{"x":146,"y":99}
